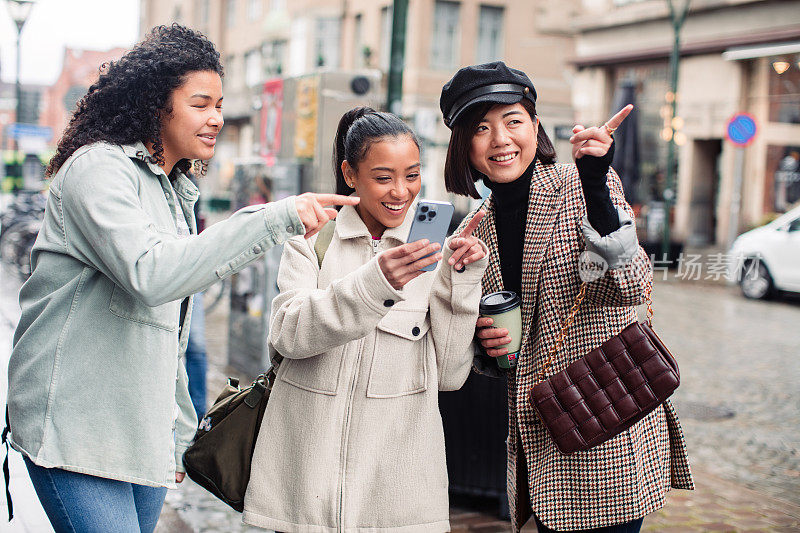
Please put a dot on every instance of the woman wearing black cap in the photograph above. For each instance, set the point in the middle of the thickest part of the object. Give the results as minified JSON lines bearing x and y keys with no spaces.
{"x":540,"y":216}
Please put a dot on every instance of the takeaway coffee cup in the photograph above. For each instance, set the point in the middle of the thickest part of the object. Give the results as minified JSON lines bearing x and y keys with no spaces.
{"x":504,"y":309}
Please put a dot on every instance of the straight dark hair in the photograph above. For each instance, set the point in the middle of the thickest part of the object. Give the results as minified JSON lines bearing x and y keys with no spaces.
{"x":459,"y":176}
{"x":359,"y":129}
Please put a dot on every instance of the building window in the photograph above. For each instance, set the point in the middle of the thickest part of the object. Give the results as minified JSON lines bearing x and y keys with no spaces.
{"x":274,"y":54}
{"x":490,"y":34}
{"x":202,"y":12}
{"x":444,"y":52}
{"x":277,"y":5}
{"x":230,"y":13}
{"x":386,"y":36}
{"x":326,"y":49}
{"x":254,"y":10}
{"x":358,"y":42}
{"x":232,"y":70}
{"x":252,"y":68}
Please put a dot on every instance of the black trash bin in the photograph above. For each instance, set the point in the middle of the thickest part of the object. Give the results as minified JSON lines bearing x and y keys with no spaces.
{"x":475,"y":422}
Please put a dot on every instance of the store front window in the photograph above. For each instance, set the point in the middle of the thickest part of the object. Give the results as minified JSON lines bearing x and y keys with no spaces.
{"x":784,"y":89}
{"x":783,"y":178}
{"x":651,"y":87}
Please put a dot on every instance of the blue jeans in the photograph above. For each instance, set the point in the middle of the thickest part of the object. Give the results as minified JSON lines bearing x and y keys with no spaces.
{"x":627,"y":527}
{"x":80,"y":503}
{"x":196,"y":357}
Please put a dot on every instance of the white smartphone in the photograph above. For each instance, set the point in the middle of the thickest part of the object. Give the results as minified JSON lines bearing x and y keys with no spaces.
{"x":431,"y":221}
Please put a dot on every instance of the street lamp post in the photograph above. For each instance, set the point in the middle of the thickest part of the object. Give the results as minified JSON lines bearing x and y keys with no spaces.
{"x":19,"y":10}
{"x":394,"y":95}
{"x":677,"y":15}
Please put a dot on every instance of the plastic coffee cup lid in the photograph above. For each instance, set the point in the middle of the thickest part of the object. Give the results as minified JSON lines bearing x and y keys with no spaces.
{"x":499,"y":302}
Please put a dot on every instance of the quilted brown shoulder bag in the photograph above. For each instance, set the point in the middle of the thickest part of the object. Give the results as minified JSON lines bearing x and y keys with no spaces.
{"x":607,"y":390}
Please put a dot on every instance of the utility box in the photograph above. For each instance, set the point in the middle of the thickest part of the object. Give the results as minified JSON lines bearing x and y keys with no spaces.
{"x":299,"y":117}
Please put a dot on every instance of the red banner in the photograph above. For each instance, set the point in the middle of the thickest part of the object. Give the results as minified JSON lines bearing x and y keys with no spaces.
{"x":271,"y":117}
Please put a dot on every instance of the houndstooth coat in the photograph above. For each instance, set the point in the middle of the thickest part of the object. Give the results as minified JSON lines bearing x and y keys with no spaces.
{"x":624,"y":478}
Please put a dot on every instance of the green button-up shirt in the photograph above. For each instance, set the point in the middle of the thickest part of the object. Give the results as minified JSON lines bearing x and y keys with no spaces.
{"x":96,"y":370}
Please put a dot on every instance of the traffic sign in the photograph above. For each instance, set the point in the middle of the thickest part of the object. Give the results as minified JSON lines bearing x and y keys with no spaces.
{"x":742,"y":129}
{"x":18,"y":131}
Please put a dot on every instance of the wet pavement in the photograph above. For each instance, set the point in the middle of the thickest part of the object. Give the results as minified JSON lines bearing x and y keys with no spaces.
{"x":739,"y":403}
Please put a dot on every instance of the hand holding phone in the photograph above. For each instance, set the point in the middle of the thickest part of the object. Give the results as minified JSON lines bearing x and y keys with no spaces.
{"x":403,"y":263}
{"x":431,"y":222}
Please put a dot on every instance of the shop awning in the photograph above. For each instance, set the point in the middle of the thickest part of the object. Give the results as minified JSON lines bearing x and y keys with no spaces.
{"x":751,"y":52}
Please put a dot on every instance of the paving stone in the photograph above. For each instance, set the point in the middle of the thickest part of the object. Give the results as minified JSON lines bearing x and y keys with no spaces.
{"x":718,"y":526}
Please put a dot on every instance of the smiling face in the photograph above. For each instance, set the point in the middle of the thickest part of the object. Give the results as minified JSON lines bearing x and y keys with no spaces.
{"x":190,"y":130}
{"x":387,"y":180}
{"x":504,"y":143}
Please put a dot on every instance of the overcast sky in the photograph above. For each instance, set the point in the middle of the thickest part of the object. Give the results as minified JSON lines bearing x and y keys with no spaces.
{"x":54,"y":24}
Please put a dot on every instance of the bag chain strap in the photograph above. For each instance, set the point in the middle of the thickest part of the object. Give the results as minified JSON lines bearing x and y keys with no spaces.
{"x":571,"y":317}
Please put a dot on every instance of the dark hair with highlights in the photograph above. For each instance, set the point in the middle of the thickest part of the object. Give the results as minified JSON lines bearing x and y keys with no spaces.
{"x":132,"y":97}
{"x":359,"y":129}
{"x":459,"y":177}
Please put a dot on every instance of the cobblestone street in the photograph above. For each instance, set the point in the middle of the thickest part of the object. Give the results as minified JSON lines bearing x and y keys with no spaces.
{"x":739,"y":403}
{"x":739,"y":399}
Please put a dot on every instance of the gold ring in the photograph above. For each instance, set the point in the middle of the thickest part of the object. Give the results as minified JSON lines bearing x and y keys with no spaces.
{"x":609,"y":129}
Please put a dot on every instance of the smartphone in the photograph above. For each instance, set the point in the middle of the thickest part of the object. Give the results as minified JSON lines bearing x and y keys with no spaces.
{"x":431,"y":221}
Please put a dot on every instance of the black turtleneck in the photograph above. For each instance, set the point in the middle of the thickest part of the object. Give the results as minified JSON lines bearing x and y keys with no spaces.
{"x":511,"y":211}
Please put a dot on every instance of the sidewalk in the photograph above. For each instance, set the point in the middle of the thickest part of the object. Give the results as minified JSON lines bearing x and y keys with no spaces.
{"x":29,"y":517}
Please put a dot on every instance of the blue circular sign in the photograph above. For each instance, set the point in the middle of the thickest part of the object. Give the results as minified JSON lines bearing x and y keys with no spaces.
{"x":742,"y":129}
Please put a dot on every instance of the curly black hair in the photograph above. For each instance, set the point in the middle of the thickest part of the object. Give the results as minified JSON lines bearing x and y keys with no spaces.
{"x":132,"y":96}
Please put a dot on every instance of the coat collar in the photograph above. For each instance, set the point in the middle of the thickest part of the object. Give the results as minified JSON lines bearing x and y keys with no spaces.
{"x":182,"y":184}
{"x":350,"y":226}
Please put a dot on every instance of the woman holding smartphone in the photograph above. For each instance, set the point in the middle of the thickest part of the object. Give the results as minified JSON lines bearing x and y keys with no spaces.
{"x":351,"y":437}
{"x":540,"y":217}
{"x":97,"y":397}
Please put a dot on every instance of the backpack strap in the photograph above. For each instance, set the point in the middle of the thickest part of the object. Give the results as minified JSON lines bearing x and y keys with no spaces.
{"x":6,"y":473}
{"x":324,"y":238}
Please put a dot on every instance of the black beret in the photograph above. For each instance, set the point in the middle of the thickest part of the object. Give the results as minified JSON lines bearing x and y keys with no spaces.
{"x":490,"y":82}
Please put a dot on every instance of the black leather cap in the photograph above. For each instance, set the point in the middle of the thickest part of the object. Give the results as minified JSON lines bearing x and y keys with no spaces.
{"x":491,"y":82}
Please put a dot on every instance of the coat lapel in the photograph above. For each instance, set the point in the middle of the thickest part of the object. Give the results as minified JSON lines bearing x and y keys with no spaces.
{"x":487,"y":232}
{"x":543,"y":209}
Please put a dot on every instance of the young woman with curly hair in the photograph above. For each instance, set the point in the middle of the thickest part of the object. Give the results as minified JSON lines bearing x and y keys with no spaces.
{"x":98,"y":400}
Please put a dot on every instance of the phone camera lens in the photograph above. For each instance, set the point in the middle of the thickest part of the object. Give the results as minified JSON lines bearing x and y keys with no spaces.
{"x":432,"y":214}
{"x":424,"y":208}
{"x":421,"y":218}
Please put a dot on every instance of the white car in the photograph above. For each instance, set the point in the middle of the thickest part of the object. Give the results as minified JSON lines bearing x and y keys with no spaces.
{"x":767,"y":259}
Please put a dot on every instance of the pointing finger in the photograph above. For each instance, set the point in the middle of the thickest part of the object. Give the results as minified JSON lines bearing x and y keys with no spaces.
{"x":473,"y":224}
{"x":617,"y":119}
{"x":336,"y":199}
